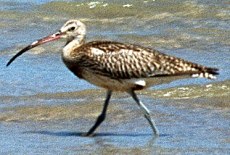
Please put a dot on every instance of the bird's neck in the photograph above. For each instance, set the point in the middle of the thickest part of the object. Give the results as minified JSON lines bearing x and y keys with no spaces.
{"x":71,"y":45}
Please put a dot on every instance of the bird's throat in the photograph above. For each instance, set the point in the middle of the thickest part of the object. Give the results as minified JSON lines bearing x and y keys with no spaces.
{"x":70,"y":46}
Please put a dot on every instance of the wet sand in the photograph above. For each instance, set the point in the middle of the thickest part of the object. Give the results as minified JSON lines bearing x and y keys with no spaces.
{"x":53,"y":123}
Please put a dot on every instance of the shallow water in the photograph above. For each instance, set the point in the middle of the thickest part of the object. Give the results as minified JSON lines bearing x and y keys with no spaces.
{"x":44,"y":107}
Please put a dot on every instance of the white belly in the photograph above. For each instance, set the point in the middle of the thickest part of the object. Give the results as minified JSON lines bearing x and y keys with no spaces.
{"x":126,"y":84}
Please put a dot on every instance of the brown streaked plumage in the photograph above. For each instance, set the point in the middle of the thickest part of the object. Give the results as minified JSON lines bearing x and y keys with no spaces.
{"x":118,"y":66}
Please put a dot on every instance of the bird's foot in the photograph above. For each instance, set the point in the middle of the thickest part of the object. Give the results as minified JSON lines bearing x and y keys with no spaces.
{"x":87,"y":134}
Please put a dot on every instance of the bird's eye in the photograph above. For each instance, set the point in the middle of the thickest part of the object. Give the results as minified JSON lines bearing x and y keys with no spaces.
{"x":71,"y":29}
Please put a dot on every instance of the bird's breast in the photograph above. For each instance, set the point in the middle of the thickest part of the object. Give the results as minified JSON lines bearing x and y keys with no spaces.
{"x":73,"y":66}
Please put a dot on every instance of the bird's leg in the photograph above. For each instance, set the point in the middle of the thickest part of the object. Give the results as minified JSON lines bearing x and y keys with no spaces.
{"x":101,"y":117}
{"x":145,"y":112}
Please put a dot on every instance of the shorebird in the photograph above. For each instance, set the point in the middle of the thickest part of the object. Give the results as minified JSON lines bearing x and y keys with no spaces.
{"x":118,"y":66}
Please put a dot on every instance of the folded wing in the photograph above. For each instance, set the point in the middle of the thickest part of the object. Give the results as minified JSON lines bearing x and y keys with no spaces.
{"x":126,"y":61}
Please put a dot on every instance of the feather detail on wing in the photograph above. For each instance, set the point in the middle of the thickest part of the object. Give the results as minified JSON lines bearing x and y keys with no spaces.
{"x":126,"y":61}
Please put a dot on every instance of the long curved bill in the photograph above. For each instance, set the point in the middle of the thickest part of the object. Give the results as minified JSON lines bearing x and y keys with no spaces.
{"x":44,"y":40}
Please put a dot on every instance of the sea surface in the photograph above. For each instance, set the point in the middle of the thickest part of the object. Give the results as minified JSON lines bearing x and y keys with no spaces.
{"x":45,"y":108}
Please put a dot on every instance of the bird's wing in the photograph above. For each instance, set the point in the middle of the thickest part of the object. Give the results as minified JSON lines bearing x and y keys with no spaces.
{"x":125,"y":61}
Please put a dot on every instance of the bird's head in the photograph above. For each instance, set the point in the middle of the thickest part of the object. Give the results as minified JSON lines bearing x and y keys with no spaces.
{"x":70,"y":30}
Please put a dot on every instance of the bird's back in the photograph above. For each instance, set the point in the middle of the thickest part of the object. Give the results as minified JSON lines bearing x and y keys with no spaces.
{"x":127,"y":61}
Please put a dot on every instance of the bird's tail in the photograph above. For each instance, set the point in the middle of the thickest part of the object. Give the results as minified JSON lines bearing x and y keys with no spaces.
{"x":207,"y":72}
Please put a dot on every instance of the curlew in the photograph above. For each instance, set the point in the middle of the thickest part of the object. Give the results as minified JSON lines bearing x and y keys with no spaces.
{"x":119,"y":67}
